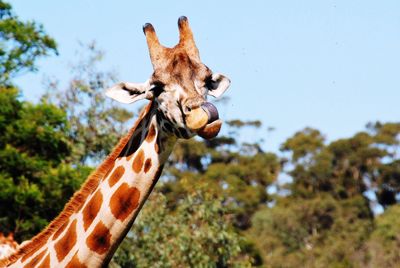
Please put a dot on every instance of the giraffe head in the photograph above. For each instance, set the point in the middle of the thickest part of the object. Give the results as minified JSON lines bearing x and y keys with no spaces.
{"x":178,"y":86}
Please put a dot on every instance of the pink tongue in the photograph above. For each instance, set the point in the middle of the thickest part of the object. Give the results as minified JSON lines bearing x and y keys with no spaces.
{"x":211,"y":110}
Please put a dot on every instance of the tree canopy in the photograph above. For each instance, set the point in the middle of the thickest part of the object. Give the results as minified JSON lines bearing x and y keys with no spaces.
{"x":224,"y":202}
{"x":21,"y":44}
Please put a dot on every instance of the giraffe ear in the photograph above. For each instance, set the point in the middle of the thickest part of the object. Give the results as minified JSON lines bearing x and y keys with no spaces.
{"x":217,"y":85}
{"x":129,"y":92}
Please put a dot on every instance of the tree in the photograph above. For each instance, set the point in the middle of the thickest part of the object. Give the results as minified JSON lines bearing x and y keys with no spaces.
{"x":240,"y":173}
{"x":198,"y":232}
{"x":327,"y":209}
{"x":387,"y":179}
{"x":35,"y":182}
{"x":347,"y":167}
{"x":317,"y":232}
{"x":21,"y":44}
{"x":96,"y":122}
{"x":382,"y":248}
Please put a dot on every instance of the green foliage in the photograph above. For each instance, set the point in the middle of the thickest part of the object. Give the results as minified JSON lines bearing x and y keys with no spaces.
{"x":241,"y":179}
{"x":318,"y":232}
{"x":96,"y":123}
{"x":303,"y":144}
{"x":197,"y":233}
{"x":326,"y":210}
{"x":388,"y":225}
{"x":346,"y":167}
{"x":382,"y":248}
{"x":34,"y":180}
{"x":239,"y":123}
{"x":210,"y":207}
{"x":21,"y":44}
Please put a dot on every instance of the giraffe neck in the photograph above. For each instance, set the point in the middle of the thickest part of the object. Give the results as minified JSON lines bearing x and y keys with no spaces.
{"x":98,"y":217}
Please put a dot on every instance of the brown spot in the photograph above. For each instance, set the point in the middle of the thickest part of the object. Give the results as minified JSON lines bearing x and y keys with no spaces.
{"x":124,"y":201}
{"x":151,"y":134}
{"x":116,"y":175}
{"x":109,"y":171}
{"x":61,"y":229}
{"x":156,"y":148}
{"x":147,"y":165}
{"x":91,"y":209}
{"x":99,"y":240}
{"x":75,"y":262}
{"x":45,"y":263}
{"x":35,"y":260}
{"x":66,"y":243}
{"x":138,"y":161}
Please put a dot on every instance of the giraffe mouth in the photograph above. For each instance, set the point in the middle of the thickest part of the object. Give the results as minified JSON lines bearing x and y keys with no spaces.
{"x":211,"y":130}
{"x":204,"y":121}
{"x":213,"y":126}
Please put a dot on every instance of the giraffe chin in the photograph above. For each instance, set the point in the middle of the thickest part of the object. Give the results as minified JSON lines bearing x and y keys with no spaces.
{"x":211,"y":130}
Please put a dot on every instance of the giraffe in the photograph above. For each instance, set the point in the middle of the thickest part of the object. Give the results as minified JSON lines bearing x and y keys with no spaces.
{"x":97,"y":218}
{"x":7,"y":245}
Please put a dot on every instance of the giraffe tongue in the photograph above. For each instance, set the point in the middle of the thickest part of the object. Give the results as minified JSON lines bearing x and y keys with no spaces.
{"x":214,"y":123}
{"x":211,"y":111}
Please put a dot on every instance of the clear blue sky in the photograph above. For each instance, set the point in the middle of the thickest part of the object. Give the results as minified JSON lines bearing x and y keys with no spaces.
{"x":332,"y":65}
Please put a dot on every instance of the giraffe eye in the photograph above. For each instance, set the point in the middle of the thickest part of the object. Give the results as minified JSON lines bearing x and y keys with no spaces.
{"x":157,"y":89}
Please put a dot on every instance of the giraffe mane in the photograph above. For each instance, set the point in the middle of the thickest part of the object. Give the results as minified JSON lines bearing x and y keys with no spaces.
{"x":78,"y":199}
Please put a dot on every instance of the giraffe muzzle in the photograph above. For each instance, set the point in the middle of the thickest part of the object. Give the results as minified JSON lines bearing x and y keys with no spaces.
{"x":199,"y":117}
{"x":204,"y":120}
